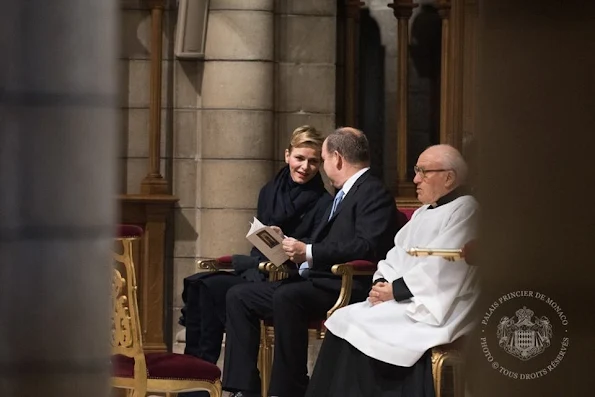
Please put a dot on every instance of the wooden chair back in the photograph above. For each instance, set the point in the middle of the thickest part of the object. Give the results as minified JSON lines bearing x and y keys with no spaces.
{"x":126,"y":337}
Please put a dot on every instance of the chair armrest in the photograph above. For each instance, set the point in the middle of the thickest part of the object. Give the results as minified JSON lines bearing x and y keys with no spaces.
{"x":347,"y":271}
{"x":215,"y":264}
{"x":275,"y":272}
{"x":361,"y":267}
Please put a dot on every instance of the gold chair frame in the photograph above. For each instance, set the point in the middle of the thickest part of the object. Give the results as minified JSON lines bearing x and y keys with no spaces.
{"x":448,"y":254}
{"x":447,"y":354}
{"x":126,"y":338}
{"x":443,"y":356}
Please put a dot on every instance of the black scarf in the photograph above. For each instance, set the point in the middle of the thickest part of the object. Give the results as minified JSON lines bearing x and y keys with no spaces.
{"x":282,"y":203}
{"x":286,"y":201}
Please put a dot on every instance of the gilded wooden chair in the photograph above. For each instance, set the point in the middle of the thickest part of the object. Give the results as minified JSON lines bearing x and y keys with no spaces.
{"x":316,"y":328}
{"x":448,"y":369}
{"x":133,"y":369}
{"x":215,"y":264}
{"x":448,"y":358}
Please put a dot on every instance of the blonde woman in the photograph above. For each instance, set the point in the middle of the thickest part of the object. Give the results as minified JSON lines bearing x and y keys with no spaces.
{"x":295,"y":201}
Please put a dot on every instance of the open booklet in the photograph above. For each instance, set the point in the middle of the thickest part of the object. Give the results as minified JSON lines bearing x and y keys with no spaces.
{"x":267,"y":241}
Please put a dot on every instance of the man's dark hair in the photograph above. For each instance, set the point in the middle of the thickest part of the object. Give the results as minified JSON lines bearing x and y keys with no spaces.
{"x":350,"y":143}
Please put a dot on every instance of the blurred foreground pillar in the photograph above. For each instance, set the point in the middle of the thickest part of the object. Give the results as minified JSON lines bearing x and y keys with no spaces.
{"x":536,"y":120}
{"x":57,"y":183}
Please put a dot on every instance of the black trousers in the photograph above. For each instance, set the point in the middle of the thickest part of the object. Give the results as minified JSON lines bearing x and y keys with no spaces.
{"x":292,"y":303}
{"x":205,"y":313}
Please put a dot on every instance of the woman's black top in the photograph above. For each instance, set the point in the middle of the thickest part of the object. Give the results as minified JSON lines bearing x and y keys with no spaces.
{"x":296,"y":208}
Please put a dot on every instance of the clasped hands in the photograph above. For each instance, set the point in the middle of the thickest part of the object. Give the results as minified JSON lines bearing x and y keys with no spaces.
{"x":295,"y":249}
{"x":381,"y":292}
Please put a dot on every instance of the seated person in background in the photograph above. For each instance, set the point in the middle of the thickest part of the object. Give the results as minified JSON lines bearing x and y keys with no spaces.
{"x":360,"y":224}
{"x":382,"y":347}
{"x":295,"y":200}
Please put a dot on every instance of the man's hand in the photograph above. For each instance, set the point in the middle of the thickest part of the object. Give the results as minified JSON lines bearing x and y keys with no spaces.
{"x":278,"y":230}
{"x":381,"y":292}
{"x":295,"y":250}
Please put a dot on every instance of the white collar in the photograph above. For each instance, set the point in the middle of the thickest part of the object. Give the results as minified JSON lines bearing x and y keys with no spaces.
{"x":351,"y":181}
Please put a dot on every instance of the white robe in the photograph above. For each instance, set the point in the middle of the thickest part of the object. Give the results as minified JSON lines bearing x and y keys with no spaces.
{"x":399,"y":333}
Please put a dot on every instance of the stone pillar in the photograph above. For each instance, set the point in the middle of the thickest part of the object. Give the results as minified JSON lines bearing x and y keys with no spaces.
{"x":57,"y":176}
{"x":305,"y":68}
{"x":236,"y":136}
{"x":535,"y":129}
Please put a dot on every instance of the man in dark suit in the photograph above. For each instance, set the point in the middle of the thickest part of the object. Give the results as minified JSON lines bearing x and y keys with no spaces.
{"x":361,"y":224}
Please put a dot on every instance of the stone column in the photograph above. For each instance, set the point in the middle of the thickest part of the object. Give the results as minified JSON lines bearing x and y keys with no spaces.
{"x":535,"y":129}
{"x":305,"y":68}
{"x":57,"y":176}
{"x":236,"y":136}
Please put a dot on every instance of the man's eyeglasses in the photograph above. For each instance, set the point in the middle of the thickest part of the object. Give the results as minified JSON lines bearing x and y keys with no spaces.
{"x":423,"y":172}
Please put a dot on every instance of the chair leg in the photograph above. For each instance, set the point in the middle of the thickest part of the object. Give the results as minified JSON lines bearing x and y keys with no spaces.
{"x":266,"y":360}
{"x":437,"y":364}
{"x":139,"y":393}
{"x":459,"y":379}
{"x":216,"y":390}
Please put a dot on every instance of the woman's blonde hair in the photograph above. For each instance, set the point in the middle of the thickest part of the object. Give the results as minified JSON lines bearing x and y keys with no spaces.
{"x":306,"y":136}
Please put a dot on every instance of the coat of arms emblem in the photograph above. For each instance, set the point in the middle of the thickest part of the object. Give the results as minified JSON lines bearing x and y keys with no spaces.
{"x":524,"y":336}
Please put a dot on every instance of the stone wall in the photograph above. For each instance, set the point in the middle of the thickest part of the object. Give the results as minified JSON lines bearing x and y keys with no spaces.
{"x":305,"y":47}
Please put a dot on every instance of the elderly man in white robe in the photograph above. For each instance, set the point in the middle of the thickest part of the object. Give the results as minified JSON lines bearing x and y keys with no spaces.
{"x":382,"y":347}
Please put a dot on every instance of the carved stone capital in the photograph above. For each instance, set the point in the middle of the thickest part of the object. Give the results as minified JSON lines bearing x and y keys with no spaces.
{"x":403,"y":9}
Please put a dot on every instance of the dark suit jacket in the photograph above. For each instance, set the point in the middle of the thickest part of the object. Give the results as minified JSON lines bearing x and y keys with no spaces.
{"x":363,"y":227}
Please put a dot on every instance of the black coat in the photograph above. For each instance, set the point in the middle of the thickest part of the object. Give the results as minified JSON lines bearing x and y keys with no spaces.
{"x":363,"y":227}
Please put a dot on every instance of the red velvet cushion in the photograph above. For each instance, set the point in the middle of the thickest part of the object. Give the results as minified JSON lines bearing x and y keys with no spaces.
{"x":361,"y":265}
{"x":224,"y":262}
{"x":168,"y":366}
{"x":128,"y":231}
{"x":408,"y":212}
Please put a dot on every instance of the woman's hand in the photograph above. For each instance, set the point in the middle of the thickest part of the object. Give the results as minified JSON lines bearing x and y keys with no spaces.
{"x":278,"y":230}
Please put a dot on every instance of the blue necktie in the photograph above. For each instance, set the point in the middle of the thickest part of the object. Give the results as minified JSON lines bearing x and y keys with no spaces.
{"x":304,"y":268}
{"x":336,"y":202}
